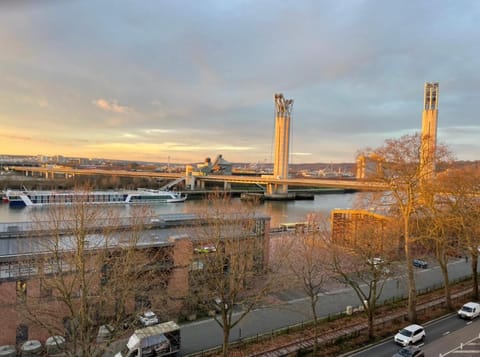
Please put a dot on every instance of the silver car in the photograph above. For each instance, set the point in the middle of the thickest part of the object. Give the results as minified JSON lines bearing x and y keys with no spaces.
{"x":410,"y":335}
{"x":148,"y":318}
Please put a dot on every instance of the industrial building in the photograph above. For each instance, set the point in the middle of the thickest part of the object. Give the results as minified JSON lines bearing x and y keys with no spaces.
{"x":169,"y":243}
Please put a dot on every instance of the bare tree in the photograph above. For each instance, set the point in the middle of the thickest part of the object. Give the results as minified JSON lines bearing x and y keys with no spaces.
{"x":362,"y":260}
{"x":460,"y":214}
{"x":303,"y":254}
{"x":437,"y":231}
{"x":406,"y":189}
{"x":89,"y":271}
{"x":230,"y":255}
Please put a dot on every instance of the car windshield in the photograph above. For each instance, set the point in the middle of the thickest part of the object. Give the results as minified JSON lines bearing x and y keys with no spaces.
{"x":405,"y":352}
{"x":467,"y":309}
{"x":405,"y":332}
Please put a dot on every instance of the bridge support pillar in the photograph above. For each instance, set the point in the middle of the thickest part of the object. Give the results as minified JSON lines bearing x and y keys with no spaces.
{"x":429,"y":132}
{"x":270,"y":188}
{"x":360,"y":167}
{"x":190,"y":182}
{"x":227,"y":186}
{"x":283,"y":109}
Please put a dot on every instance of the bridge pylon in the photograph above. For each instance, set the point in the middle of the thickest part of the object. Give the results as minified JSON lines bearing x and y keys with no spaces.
{"x":429,"y":130}
{"x":283,"y":109}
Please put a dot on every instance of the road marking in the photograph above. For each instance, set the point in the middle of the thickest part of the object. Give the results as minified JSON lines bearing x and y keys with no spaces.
{"x":445,"y":333}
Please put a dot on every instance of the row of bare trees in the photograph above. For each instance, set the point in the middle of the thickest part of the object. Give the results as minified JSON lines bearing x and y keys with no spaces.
{"x":436,"y":212}
{"x":423,"y":215}
{"x":84,"y":278}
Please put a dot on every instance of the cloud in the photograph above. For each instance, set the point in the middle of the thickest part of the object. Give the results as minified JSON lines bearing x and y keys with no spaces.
{"x":16,"y":137}
{"x":112,"y":107}
{"x":42,"y":103}
{"x":157,"y":131}
{"x":355,"y":78}
{"x":302,"y":153}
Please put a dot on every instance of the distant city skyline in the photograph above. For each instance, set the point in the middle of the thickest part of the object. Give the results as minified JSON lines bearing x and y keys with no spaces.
{"x":183,"y":80}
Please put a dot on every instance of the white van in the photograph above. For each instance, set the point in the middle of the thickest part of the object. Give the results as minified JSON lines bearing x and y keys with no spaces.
{"x":469,"y":311}
{"x":156,"y":340}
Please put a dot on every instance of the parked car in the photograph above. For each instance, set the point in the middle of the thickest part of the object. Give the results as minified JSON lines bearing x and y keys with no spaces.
{"x":469,"y":311}
{"x":410,"y":335}
{"x":148,"y":318}
{"x":409,"y":351}
{"x":419,"y":263}
{"x":379,"y":263}
{"x":217,"y":304}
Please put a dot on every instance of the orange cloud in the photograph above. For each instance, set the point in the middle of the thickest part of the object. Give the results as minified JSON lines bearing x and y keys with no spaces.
{"x":112,"y":106}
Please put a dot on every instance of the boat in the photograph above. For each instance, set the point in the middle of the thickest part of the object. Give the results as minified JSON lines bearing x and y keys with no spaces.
{"x":4,"y":197}
{"x":47,"y":198}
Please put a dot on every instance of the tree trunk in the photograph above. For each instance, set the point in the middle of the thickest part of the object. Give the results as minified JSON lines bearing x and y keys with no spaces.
{"x":446,"y":284}
{"x":226,"y":336}
{"x":412,"y":290}
{"x":313,"y":303}
{"x":370,"y":324}
{"x":474,"y":276}
{"x":443,"y":262}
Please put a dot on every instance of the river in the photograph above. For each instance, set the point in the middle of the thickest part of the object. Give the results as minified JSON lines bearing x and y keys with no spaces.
{"x":279,"y":211}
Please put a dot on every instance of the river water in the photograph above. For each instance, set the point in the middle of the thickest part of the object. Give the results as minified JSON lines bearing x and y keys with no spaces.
{"x":279,"y":211}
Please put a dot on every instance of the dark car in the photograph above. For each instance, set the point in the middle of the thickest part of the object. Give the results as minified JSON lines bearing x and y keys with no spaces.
{"x":420,"y":263}
{"x":409,"y":351}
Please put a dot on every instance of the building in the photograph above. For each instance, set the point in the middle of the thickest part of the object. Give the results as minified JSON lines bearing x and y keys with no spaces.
{"x":167,"y":249}
{"x":355,"y":228}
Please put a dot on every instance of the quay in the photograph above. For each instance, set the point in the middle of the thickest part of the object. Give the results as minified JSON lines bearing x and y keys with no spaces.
{"x":258,"y":194}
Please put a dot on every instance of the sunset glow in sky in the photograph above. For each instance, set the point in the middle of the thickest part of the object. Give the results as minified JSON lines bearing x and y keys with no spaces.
{"x":183,"y":80}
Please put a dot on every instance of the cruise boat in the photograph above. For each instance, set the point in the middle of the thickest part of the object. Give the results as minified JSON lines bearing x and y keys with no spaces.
{"x":46,"y":198}
{"x":4,"y":197}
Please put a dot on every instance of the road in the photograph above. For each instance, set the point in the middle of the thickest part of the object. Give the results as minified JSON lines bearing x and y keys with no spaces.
{"x":205,"y":334}
{"x":460,"y":342}
{"x":443,"y":335}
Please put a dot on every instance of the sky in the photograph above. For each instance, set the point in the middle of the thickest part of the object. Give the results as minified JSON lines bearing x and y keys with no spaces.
{"x":180,"y":80}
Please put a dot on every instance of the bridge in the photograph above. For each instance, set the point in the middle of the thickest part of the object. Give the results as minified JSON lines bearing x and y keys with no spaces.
{"x":277,"y":184}
{"x":199,"y":179}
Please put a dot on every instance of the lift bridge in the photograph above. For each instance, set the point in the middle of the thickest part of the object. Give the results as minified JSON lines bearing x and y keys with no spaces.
{"x":195,"y":180}
{"x":276,"y":184}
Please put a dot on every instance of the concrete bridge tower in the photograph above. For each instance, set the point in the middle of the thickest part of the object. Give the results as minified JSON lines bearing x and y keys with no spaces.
{"x":429,"y":131}
{"x":283,"y":109}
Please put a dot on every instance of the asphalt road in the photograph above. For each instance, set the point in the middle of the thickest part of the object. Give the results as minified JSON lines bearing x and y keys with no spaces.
{"x":460,"y":342}
{"x":442,"y":335}
{"x":205,"y":334}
